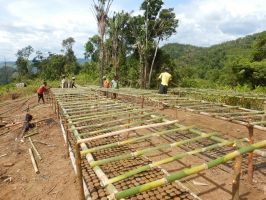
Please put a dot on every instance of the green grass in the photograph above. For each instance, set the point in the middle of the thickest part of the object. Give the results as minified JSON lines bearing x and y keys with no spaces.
{"x":32,"y":85}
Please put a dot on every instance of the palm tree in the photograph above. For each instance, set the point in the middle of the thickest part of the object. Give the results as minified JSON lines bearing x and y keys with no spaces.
{"x":100,"y":10}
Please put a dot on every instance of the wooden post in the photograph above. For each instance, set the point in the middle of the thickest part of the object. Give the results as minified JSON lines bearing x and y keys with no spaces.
{"x":79,"y":172}
{"x":250,"y":155}
{"x":142,"y":102}
{"x":142,"y":106}
{"x":67,"y":141}
{"x":57,"y":109}
{"x":264,"y":108}
{"x":236,"y":178}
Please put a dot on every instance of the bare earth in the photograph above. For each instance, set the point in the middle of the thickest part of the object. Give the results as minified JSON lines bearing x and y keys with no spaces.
{"x":57,"y":180}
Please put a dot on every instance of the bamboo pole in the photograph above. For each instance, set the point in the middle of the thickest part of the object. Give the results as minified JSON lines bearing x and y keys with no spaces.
{"x":126,"y":130}
{"x":98,"y":171}
{"x":79,"y":172}
{"x":147,"y":150}
{"x":114,"y":121}
{"x":167,"y":160}
{"x":188,"y":171}
{"x":236,"y":178}
{"x":107,"y":115}
{"x":35,"y":149}
{"x":31,"y":134}
{"x":96,"y":107}
{"x":132,"y":140}
{"x":33,"y":162}
{"x":113,"y":128}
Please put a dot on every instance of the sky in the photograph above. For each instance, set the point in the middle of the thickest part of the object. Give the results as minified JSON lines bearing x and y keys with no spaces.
{"x":44,"y":24}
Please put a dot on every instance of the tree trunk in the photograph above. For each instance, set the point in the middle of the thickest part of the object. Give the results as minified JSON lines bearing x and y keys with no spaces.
{"x":141,"y":69}
{"x":101,"y":65}
{"x":152,"y":63}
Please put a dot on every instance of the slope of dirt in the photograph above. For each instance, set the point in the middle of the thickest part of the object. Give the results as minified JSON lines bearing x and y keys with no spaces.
{"x":18,"y":180}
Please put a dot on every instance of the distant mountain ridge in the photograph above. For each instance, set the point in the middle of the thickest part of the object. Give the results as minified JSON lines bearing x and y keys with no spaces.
{"x":213,"y":56}
{"x":8,"y":63}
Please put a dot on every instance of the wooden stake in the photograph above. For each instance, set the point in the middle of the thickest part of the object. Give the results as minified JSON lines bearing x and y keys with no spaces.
{"x":33,"y":162}
{"x":236,"y":178}
{"x":79,"y":172}
{"x":250,"y":155}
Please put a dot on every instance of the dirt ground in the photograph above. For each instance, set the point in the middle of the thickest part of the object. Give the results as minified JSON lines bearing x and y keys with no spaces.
{"x":18,"y":180}
{"x":56,"y":179}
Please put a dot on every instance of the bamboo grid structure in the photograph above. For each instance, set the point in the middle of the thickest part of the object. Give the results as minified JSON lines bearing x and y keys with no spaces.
{"x":232,"y":113}
{"x":113,"y":141}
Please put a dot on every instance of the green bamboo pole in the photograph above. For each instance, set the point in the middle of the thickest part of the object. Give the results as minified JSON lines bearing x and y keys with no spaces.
{"x":90,"y":114}
{"x":167,"y":160}
{"x":103,"y":107}
{"x":98,"y":171}
{"x":126,"y":130}
{"x":136,"y":122}
{"x":189,"y":171}
{"x":91,"y":106}
{"x":132,"y":140}
{"x":147,"y":150}
{"x":214,"y":138}
{"x":89,"y":118}
{"x":137,"y":116}
{"x":117,"y":108}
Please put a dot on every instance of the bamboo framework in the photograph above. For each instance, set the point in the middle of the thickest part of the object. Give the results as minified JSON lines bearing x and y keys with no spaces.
{"x":220,"y":110}
{"x":114,"y":141}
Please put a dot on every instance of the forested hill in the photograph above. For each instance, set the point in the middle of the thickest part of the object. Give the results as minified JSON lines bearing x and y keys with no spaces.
{"x":241,"y":47}
{"x":220,"y":62}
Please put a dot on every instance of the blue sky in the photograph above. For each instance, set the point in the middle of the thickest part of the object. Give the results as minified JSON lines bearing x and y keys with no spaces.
{"x":44,"y":24}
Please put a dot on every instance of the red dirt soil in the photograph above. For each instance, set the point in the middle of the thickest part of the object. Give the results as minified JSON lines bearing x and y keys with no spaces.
{"x":56,"y":179}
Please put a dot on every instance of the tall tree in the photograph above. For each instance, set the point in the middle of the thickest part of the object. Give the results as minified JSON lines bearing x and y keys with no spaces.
{"x":259,"y":47}
{"x":101,"y":9}
{"x":92,"y":48}
{"x":117,"y":26}
{"x":151,"y":10}
{"x":137,"y":38}
{"x":22,"y":62}
{"x":165,"y":26}
{"x":71,"y":65}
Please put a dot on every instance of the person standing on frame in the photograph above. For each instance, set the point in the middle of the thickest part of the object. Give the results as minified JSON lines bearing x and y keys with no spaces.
{"x":165,"y":77}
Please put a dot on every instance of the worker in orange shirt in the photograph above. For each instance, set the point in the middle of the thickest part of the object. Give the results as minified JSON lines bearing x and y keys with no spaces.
{"x":41,"y":90}
{"x":106,"y":82}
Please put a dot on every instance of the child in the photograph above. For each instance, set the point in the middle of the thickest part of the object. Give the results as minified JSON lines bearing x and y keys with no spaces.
{"x":40,"y":91}
{"x":26,"y":127}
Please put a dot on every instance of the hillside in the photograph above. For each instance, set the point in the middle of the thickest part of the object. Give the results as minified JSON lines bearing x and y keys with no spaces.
{"x":213,"y":56}
{"x":230,"y":63}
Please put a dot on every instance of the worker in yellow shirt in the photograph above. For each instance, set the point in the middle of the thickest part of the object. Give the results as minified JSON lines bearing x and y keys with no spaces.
{"x":165,"y":78}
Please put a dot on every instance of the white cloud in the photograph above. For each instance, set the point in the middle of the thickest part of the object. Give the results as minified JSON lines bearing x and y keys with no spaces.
{"x":44,"y":24}
{"x":208,"y":22}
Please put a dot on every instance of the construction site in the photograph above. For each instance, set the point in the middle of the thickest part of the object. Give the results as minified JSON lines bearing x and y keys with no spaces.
{"x":102,"y":143}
